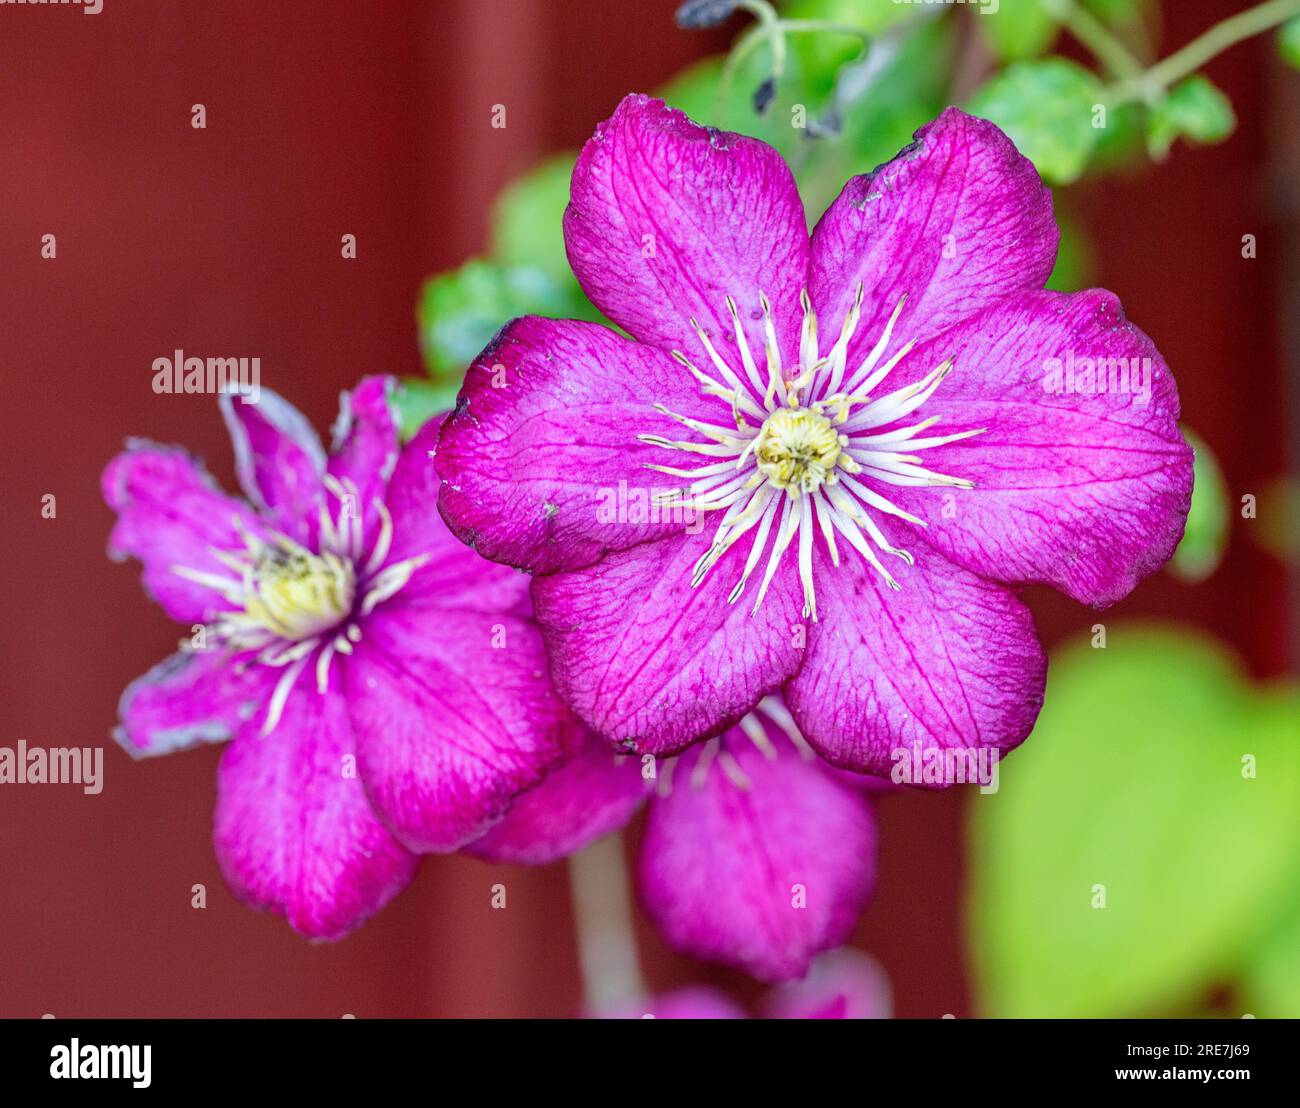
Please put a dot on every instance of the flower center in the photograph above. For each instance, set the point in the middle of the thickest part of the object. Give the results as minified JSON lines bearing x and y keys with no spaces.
{"x":813,"y":451}
{"x":296,"y":594}
{"x":291,"y":605}
{"x":797,"y":449}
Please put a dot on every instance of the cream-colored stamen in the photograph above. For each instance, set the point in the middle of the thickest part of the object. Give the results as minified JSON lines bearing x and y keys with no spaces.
{"x":290,"y":603}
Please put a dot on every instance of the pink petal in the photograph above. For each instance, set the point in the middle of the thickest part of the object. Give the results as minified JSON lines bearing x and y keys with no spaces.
{"x":454,"y":716}
{"x":958,"y":220}
{"x":728,"y":857}
{"x":841,"y":985}
{"x":1086,"y":492}
{"x":278,"y":460}
{"x":593,"y":793}
{"x":949,"y":662}
{"x":294,"y":832}
{"x":191,"y":698}
{"x":172,"y":515}
{"x":654,"y":664}
{"x":667,"y":218}
{"x":452,"y":575}
{"x":541,"y":463}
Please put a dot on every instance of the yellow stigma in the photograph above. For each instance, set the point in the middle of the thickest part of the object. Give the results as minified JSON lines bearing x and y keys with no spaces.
{"x":797,"y":449}
{"x":297,"y":594}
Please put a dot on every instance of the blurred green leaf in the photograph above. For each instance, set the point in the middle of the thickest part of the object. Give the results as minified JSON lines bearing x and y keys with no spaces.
{"x":1118,"y":12}
{"x":873,"y":16}
{"x":1019,"y":28}
{"x":881,"y":101}
{"x":1270,"y":986}
{"x":1201,"y":549}
{"x":1195,"y":110}
{"x":1270,"y":980}
{"x":419,"y":400}
{"x":1120,"y":141}
{"x":1288,"y":42}
{"x":1277,"y":527}
{"x":1134,"y":780}
{"x":527,"y":219}
{"x":1047,"y":107}
{"x":462,"y":309}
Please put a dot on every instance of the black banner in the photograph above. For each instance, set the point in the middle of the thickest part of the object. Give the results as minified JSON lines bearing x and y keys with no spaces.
{"x":338,"y":1056}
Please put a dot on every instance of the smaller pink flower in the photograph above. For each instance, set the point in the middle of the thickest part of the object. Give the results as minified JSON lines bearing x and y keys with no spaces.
{"x":384,"y":688}
{"x":756,"y":852}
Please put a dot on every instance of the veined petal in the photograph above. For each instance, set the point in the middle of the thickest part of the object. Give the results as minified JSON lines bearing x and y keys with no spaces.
{"x":278,"y":460}
{"x":191,"y":698}
{"x":365,"y":450}
{"x":948,"y":663}
{"x":541,"y":461}
{"x":449,"y":574}
{"x":1082,"y":479}
{"x":294,"y":831}
{"x":654,"y":664}
{"x":454,"y":716}
{"x":958,"y":220}
{"x":171,"y":515}
{"x":667,"y":218}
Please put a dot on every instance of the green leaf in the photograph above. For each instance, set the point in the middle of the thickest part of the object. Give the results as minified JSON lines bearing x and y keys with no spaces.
{"x":419,"y":400}
{"x":1134,"y":780}
{"x":1120,"y":141}
{"x":1047,"y":107}
{"x":1288,"y":42}
{"x":1201,"y":549}
{"x":1018,"y":28}
{"x":1270,"y":981}
{"x":527,"y":219}
{"x":873,"y":16}
{"x":1195,"y":110}
{"x":1118,"y":12}
{"x":462,"y":309}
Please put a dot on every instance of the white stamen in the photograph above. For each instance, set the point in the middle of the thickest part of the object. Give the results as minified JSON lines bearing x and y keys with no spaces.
{"x":817,"y":458}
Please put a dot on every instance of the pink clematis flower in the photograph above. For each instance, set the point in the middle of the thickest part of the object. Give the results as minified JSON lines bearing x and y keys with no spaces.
{"x":385,"y":689}
{"x":891,"y":423}
{"x":756,"y":853}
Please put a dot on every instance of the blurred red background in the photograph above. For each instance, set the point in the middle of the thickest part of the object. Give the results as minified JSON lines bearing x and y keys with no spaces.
{"x":374,"y":119}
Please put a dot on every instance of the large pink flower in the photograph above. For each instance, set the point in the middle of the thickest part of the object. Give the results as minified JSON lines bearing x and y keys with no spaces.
{"x":756,"y":852}
{"x":385,"y":688}
{"x":891,"y":421}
